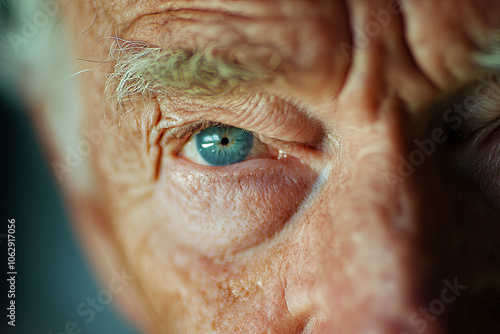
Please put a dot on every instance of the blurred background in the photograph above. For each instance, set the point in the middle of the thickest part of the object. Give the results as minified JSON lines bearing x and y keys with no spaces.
{"x":52,"y":275}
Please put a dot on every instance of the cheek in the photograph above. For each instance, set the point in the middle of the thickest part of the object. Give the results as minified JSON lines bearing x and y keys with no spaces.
{"x":234,"y":206}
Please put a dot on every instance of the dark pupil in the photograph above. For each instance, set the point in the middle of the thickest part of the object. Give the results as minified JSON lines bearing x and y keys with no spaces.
{"x":224,"y":141}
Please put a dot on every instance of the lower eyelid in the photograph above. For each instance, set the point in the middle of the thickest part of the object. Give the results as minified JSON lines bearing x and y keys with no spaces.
{"x":237,"y":205}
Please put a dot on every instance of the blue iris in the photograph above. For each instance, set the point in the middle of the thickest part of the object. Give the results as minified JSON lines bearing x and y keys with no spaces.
{"x":224,"y":145}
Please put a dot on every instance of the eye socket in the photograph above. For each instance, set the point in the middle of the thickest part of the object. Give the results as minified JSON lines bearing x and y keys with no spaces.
{"x":223,"y":145}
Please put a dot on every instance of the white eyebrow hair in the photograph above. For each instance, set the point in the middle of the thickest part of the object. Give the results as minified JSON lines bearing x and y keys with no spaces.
{"x":489,"y":57}
{"x":142,"y":69}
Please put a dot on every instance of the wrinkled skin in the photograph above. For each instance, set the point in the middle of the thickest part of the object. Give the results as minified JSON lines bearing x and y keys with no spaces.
{"x":331,"y":239}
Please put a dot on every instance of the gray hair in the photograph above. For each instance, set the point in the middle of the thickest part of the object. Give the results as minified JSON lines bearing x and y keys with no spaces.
{"x":489,"y":58}
{"x":141,"y":69}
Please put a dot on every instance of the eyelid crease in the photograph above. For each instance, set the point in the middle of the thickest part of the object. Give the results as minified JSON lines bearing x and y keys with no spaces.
{"x":269,"y":118}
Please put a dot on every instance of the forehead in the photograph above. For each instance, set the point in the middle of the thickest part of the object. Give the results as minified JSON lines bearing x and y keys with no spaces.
{"x":413,"y":51}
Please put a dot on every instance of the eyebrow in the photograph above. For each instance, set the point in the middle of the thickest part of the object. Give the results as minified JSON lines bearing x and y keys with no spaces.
{"x":489,"y":57}
{"x":143,"y":69}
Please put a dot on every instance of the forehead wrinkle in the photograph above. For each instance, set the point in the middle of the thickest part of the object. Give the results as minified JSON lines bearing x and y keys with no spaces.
{"x":120,"y":10}
{"x":298,"y":40}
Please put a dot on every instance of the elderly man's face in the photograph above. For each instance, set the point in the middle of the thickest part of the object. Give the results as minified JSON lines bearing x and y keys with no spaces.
{"x":344,"y":179}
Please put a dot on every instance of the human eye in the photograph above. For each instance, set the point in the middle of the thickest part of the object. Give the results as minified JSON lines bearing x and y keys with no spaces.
{"x":222,"y":145}
{"x":233,"y":177}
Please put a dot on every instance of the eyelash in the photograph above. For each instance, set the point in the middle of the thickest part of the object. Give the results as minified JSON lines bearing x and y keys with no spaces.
{"x":185,"y":132}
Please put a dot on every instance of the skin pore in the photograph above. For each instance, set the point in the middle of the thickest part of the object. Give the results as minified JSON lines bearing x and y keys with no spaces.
{"x":324,"y":234}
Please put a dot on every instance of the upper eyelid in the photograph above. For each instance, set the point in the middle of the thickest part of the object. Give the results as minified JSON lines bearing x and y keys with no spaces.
{"x":261,"y":114}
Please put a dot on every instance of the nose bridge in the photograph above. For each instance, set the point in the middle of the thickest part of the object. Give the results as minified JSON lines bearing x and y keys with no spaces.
{"x":367,"y":234}
{"x":375,"y":174}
